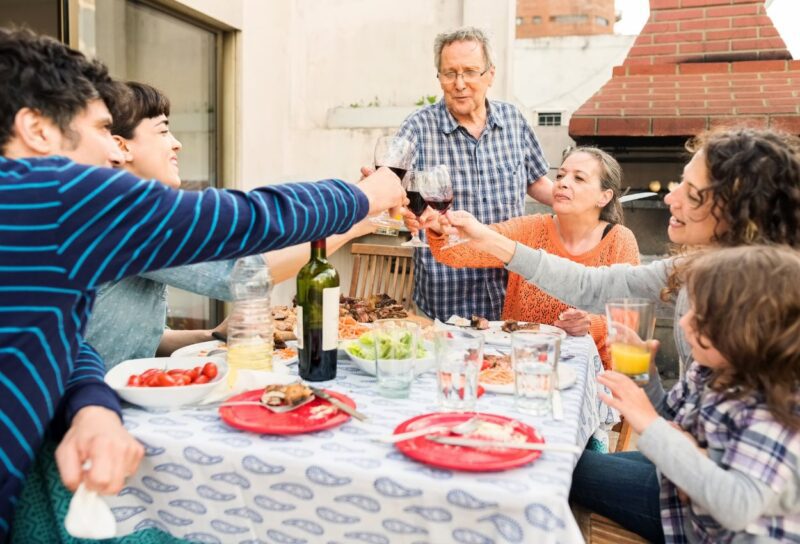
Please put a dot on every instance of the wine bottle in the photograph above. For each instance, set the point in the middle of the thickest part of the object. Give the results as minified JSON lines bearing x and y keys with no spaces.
{"x":317,"y":316}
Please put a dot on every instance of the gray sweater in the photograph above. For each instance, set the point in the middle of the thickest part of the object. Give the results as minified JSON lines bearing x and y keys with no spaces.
{"x":732,"y":498}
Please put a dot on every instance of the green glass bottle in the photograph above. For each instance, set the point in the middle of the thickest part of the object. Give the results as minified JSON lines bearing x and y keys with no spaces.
{"x":318,"y":316}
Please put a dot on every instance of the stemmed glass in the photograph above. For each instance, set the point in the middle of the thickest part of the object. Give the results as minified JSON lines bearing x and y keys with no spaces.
{"x":397,"y":154}
{"x":416,"y":204}
{"x":437,"y":190}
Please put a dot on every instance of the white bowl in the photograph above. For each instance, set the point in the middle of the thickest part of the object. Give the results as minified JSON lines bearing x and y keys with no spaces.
{"x":163,"y":397}
{"x":368,"y":365}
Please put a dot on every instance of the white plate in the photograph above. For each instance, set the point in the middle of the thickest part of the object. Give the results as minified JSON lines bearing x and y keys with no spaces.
{"x":566,"y":379}
{"x":163,"y":397}
{"x":495,"y":335}
{"x":202,"y":349}
{"x":368,"y":365}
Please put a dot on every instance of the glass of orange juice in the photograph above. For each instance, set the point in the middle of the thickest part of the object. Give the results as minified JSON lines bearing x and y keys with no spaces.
{"x":631,"y":322}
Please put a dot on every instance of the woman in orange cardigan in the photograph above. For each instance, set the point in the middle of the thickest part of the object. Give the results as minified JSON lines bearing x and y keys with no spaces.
{"x":586,"y":228}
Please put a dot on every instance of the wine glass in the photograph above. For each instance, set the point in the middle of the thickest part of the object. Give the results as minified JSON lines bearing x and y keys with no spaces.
{"x":437,"y":190}
{"x":416,"y":204}
{"x":397,"y":154}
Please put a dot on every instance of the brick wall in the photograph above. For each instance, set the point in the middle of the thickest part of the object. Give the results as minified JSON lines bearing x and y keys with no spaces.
{"x":542,"y":18}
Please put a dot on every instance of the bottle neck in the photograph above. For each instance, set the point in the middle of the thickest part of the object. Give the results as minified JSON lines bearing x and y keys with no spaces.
{"x":318,"y":249}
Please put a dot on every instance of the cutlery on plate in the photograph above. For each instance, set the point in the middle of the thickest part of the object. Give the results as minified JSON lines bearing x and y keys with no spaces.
{"x":492,"y":444}
{"x":339,"y":404}
{"x":465,"y":427}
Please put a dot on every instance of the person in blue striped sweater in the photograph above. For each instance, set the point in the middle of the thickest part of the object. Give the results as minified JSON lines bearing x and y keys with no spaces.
{"x":66,"y":227}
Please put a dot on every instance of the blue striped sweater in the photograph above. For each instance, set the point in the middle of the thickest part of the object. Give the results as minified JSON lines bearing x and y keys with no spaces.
{"x":66,"y":228}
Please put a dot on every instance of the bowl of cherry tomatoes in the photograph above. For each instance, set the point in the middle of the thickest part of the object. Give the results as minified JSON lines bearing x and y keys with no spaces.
{"x":167,"y":382}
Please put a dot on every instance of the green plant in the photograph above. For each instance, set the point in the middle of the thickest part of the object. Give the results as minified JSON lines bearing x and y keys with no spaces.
{"x":426,"y":100}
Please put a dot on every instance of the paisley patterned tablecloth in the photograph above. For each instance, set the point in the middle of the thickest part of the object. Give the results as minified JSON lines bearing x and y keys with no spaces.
{"x":204,"y":481}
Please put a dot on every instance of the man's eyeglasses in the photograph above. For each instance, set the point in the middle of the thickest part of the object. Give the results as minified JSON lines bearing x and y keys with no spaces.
{"x":469,"y":76}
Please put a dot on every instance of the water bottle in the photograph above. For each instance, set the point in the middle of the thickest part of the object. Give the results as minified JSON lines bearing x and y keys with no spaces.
{"x":250,"y":339}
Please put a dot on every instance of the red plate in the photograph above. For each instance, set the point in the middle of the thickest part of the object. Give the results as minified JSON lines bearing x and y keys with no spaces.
{"x":261,"y":420}
{"x":459,"y":457}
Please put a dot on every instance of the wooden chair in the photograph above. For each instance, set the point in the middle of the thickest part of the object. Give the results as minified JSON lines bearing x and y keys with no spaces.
{"x":383,"y":269}
{"x":599,"y":529}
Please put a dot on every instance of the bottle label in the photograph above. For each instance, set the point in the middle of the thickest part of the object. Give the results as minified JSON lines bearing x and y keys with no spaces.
{"x":330,"y":318}
{"x":299,"y":325}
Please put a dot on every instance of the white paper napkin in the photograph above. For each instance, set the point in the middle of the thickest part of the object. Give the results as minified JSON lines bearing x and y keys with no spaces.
{"x":89,"y":516}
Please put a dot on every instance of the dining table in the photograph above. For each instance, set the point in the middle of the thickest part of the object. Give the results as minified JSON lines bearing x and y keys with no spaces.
{"x":205,"y":481}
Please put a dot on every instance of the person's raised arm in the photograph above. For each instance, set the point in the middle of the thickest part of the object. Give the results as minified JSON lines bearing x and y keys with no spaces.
{"x":542,"y":190}
{"x":146,"y":226}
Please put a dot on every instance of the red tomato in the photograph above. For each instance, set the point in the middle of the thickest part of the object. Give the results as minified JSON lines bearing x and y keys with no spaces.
{"x":210,"y":370}
{"x":152,"y":380}
{"x":194,"y":373}
{"x":481,"y":390}
{"x":134,"y":381}
{"x":182,"y":379}
{"x":147,"y":373}
{"x":486,"y":364}
{"x":165,"y":380}
{"x":176,"y":372}
{"x":202,"y":378}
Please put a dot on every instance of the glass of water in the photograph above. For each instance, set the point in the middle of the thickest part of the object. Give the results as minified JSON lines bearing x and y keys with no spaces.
{"x":534,"y":357}
{"x":459,"y":355}
{"x":395,"y":355}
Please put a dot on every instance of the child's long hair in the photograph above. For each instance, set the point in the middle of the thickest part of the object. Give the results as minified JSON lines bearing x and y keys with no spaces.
{"x":747,"y":303}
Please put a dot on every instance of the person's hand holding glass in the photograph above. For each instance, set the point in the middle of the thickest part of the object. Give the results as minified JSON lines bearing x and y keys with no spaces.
{"x":397,"y":154}
{"x":631,"y":324}
{"x":436,"y":188}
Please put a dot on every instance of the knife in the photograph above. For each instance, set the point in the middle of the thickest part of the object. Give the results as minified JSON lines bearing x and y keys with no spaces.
{"x":473,"y":443}
{"x":635,"y":196}
{"x":339,"y":404}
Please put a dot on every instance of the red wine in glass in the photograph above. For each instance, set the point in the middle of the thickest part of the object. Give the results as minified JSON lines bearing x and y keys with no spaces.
{"x":399,"y":171}
{"x":416,"y":203}
{"x":440,"y":206}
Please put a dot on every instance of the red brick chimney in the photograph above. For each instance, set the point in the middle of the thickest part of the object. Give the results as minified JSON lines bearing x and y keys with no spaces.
{"x":697,"y":64}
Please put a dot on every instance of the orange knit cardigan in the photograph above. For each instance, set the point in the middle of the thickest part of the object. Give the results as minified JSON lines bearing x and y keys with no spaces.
{"x":524,"y":301}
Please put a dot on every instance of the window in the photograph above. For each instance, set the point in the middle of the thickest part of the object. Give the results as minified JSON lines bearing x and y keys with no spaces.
{"x":536,"y":20}
{"x":549,"y":119}
{"x":519,"y":21}
{"x":569,"y":19}
{"x":600,"y":21}
{"x":143,"y":43}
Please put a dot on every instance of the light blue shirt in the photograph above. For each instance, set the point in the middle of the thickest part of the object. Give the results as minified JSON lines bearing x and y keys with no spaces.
{"x":129,"y":315}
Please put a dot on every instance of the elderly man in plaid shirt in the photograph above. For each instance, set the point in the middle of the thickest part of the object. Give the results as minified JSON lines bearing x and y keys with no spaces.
{"x":494,"y":159}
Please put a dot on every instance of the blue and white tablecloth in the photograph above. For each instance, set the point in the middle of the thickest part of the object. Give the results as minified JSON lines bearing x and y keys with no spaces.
{"x":204,"y":481}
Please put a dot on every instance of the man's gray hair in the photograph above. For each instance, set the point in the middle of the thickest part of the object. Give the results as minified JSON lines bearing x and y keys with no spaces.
{"x":463,"y":34}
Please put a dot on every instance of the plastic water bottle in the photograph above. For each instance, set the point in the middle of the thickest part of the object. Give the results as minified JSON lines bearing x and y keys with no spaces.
{"x":250,"y":340}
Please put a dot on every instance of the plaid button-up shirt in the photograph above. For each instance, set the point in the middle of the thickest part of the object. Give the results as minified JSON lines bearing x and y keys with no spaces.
{"x":739,"y":434}
{"x":490,"y":178}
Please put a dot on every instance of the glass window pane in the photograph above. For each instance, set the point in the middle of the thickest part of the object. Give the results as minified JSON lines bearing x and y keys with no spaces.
{"x":141,"y":43}
{"x":41,"y":16}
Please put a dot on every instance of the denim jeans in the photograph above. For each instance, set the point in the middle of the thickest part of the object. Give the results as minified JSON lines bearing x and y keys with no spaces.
{"x":620,"y":486}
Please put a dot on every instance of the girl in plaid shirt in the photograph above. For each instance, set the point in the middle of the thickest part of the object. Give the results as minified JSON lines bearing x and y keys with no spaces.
{"x":720,"y":454}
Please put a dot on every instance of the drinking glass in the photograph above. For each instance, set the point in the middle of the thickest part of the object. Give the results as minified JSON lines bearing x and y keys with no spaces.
{"x":395,"y":356}
{"x":416,"y":204}
{"x":397,"y":154}
{"x":631,"y":322}
{"x":534,"y":357}
{"x":437,"y":190}
{"x":459,"y":355}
